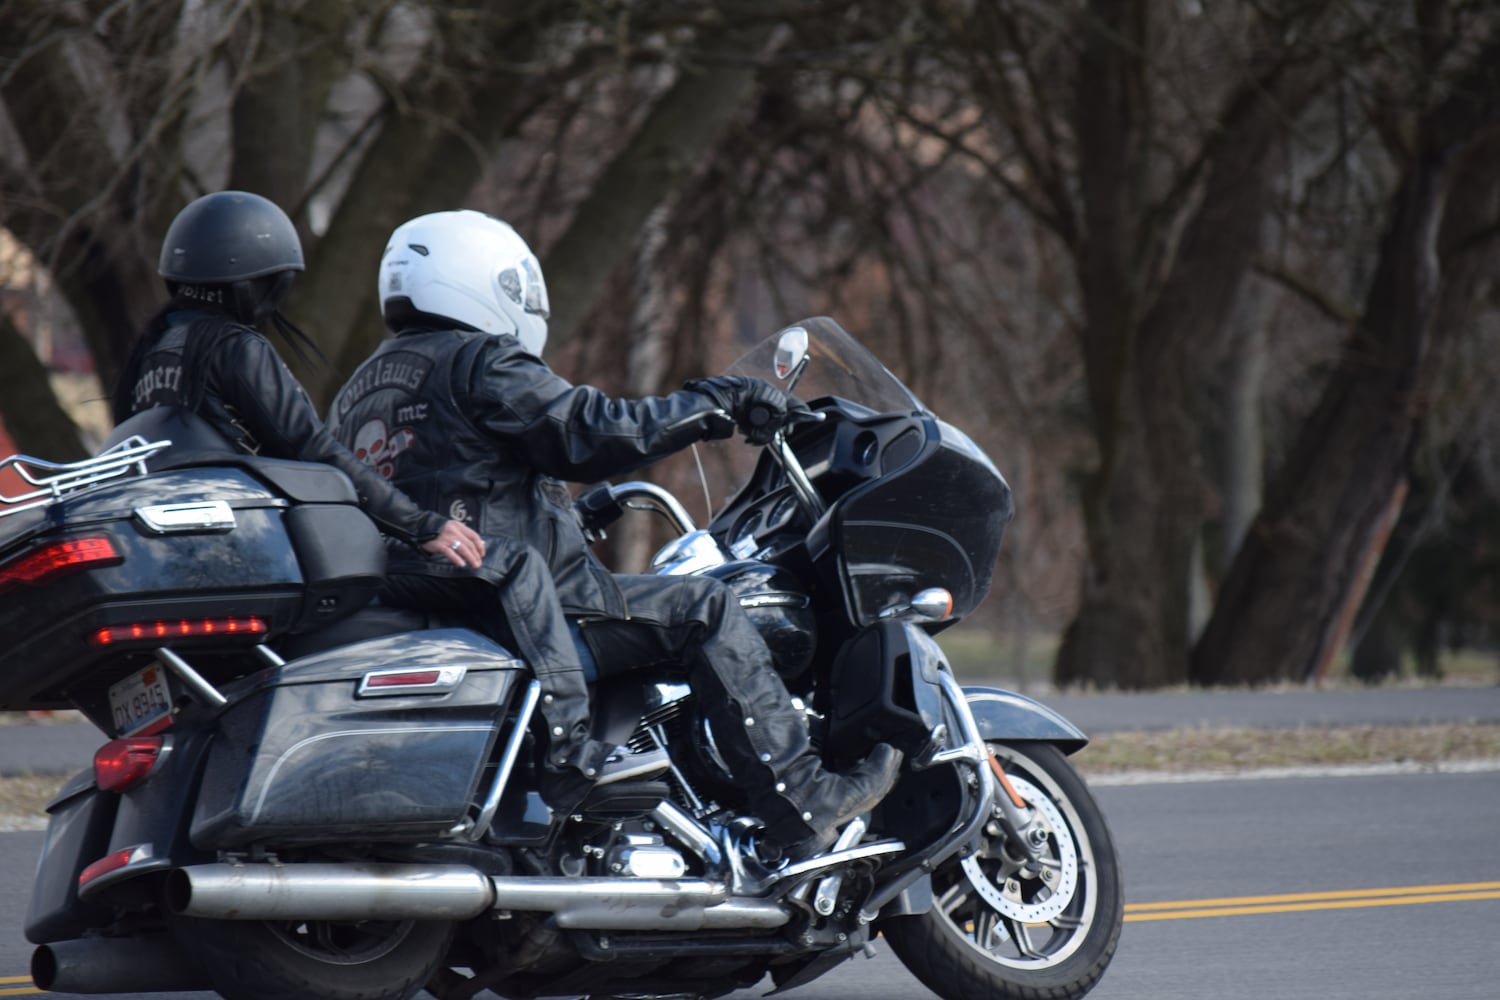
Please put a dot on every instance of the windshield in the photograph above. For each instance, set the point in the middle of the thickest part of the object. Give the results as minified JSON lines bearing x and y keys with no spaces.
{"x":837,"y":365}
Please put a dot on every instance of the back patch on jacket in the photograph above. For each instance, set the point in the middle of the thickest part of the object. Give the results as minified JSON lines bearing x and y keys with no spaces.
{"x":402,"y":370}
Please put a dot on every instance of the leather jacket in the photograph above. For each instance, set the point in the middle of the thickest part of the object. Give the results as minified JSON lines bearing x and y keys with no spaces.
{"x":473,"y":426}
{"x":240,"y":385}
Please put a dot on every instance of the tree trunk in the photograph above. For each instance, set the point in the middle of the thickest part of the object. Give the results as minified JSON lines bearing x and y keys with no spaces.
{"x":1147,"y":500}
{"x":1377,"y":656}
{"x":277,"y":112}
{"x":681,"y":127}
{"x":1283,"y":594}
{"x":76,"y":220}
{"x":1243,"y":454}
{"x":37,"y":424}
{"x":419,"y":161}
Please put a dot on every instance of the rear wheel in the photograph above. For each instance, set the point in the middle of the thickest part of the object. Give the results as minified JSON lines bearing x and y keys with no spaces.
{"x":316,"y":959}
{"x":1005,"y":927}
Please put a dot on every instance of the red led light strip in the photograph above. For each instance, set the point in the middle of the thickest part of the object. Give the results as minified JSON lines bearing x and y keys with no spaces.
{"x":182,"y":628}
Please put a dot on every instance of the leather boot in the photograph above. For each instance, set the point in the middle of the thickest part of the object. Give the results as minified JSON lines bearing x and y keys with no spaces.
{"x":533,"y":613}
{"x":826,"y":800}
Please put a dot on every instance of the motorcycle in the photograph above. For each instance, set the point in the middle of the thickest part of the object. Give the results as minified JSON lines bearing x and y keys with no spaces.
{"x":306,"y":794}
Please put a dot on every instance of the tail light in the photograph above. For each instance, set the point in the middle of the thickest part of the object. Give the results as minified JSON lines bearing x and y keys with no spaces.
{"x":113,"y":862}
{"x":120,"y":765}
{"x":48,"y":562}
{"x":178,"y":628}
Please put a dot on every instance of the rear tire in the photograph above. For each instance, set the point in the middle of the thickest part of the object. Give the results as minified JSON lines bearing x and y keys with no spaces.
{"x":316,"y":959}
{"x":998,"y":933}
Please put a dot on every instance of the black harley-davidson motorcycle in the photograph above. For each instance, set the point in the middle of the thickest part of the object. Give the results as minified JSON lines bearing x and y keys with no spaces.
{"x":304,"y":794}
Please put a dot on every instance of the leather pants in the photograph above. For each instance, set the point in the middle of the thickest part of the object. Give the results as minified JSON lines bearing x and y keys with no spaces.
{"x":697,"y":623}
{"x":529,"y":619}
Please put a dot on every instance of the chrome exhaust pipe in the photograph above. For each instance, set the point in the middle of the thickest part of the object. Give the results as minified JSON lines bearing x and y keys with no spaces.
{"x":262,"y":891}
{"x":354,"y":891}
{"x":636,"y":904}
{"x":151,"y":964}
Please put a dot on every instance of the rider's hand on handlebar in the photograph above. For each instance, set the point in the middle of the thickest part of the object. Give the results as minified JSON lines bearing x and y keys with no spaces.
{"x":458,"y":543}
{"x":757,"y":407}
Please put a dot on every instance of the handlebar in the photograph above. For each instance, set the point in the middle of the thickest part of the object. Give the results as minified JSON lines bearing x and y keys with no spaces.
{"x":600,"y":506}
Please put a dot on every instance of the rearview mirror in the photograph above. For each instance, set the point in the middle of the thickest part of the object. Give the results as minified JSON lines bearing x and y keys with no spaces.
{"x":791,"y":352}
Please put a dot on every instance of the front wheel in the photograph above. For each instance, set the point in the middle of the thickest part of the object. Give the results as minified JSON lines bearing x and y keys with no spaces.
{"x":316,"y":959}
{"x":1006,"y":927}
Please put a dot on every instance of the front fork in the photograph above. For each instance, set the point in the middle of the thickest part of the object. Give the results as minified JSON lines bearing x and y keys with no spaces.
{"x":968,"y":752}
{"x":997,"y":797}
{"x":1024,"y":831}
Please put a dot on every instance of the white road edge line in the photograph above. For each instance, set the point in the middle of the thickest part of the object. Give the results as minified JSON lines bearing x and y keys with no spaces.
{"x":1479,"y":766}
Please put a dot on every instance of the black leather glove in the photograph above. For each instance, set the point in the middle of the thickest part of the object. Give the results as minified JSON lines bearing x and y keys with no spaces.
{"x":757,"y":407}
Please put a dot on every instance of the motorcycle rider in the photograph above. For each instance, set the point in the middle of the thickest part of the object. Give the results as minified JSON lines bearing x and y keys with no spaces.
{"x":229,"y":259}
{"x":488,"y":432}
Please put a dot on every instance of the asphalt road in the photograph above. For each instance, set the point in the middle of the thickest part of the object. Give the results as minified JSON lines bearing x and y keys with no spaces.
{"x":1380,"y":888}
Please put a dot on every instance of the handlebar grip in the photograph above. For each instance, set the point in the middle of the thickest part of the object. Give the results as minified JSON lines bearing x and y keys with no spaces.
{"x":597,"y":508}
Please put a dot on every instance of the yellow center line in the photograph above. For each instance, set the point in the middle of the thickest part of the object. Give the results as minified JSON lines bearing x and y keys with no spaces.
{"x":1187,"y":909}
{"x":24,"y":991}
{"x":1306,"y":901}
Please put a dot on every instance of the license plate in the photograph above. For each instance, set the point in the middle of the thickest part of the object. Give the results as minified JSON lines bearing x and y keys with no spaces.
{"x":141,"y":703}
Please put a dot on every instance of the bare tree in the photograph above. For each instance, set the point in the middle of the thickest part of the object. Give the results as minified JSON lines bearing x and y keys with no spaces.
{"x":1143,"y":138}
{"x":1280,"y":606}
{"x":186,"y":98}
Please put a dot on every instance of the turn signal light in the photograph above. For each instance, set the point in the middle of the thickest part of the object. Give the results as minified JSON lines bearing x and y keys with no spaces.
{"x":120,"y":765}
{"x":181,"y":628}
{"x":47,"y":563}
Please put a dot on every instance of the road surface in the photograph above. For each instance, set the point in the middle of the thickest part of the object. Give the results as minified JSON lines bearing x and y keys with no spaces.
{"x":1377,"y":887}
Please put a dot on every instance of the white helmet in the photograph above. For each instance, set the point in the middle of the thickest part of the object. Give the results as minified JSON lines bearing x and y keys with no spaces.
{"x":467,"y":267}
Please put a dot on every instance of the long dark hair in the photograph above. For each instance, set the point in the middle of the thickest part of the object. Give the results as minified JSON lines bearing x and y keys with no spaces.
{"x":224,"y":311}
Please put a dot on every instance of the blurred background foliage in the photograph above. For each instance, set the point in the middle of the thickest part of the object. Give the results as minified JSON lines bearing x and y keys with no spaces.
{"x":1214,"y":283}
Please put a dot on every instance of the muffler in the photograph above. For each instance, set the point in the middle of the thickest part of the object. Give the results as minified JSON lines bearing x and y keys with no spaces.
{"x":151,"y":964}
{"x":262,"y":891}
{"x":354,"y":891}
{"x":636,"y":904}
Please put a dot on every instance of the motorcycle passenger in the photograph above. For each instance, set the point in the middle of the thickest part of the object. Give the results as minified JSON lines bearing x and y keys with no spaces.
{"x":488,"y":432}
{"x":229,"y":260}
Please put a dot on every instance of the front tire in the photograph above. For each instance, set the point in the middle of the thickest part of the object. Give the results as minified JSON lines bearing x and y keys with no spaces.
{"x":1002,"y":930}
{"x":316,"y":959}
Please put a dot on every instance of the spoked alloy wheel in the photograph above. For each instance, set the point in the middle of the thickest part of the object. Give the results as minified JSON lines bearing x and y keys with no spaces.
{"x":316,"y":959}
{"x":1003,"y":927}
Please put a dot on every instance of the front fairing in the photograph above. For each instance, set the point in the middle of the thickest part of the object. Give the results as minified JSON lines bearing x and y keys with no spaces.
{"x":909,"y":501}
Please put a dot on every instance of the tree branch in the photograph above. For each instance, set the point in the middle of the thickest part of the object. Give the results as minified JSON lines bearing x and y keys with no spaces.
{"x":665,"y":150}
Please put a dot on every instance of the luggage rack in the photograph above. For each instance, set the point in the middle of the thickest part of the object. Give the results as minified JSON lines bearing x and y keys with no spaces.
{"x":52,"y":480}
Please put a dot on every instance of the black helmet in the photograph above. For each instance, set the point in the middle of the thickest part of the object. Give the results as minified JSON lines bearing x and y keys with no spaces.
{"x":229,"y":236}
{"x":231,"y":250}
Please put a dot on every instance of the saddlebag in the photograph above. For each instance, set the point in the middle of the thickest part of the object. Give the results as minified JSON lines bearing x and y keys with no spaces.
{"x":386,"y":739}
{"x":171,"y":555}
